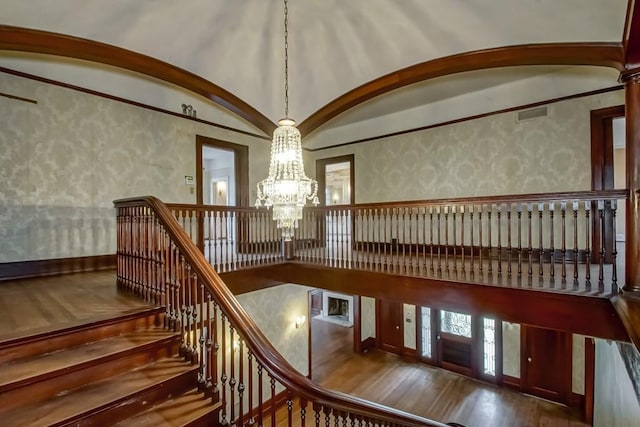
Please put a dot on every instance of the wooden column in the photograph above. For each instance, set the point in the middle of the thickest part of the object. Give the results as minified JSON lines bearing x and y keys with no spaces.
{"x":632,"y":251}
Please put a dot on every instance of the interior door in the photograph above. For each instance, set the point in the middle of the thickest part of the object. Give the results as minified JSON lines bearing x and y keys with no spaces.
{"x":455,"y":349}
{"x":546,"y":364}
{"x":390,"y":326}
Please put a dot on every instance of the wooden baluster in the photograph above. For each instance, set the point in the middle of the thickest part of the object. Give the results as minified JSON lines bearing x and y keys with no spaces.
{"x":439,"y":225}
{"x":241,"y":382}
{"x":471,"y":209}
{"x":396,"y":264}
{"x":509,"y":247}
{"x":194,"y":317}
{"x":530,"y":237}
{"x":489,"y":240}
{"x":552,"y":266}
{"x":211,"y":359}
{"x":188,"y":306}
{"x":480,"y":241}
{"x":614,"y":250}
{"x":216,"y":349}
{"x":431,"y":237}
{"x":519,"y":212}
{"x":316,"y":417}
{"x":251,"y":421}
{"x":223,"y":368}
{"x":455,"y":240}
{"x":423,"y":221}
{"x":575,"y":207}
{"x":563,"y":216}
{"x":260,"y":397}
{"x":409,"y":258}
{"x":499,"y":214}
{"x":446,"y":238}
{"x":303,"y":411}
{"x":462,"y":248}
{"x":204,"y":332}
{"x":540,"y":242}
{"x":272,"y":384}
{"x":587,"y":228}
{"x":602,"y":240}
{"x":289,"y":411}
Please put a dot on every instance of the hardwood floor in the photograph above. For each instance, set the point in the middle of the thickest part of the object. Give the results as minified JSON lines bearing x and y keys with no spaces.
{"x":424,"y":390}
{"x":49,"y":303}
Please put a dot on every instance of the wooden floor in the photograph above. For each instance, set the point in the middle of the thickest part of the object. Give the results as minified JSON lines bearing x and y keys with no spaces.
{"x":424,"y":390}
{"x":39,"y":305}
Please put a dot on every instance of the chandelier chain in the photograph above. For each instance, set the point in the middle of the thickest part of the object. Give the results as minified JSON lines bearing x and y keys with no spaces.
{"x":286,"y":58}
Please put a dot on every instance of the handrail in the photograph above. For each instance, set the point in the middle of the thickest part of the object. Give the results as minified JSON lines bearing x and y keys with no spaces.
{"x":259,"y":345}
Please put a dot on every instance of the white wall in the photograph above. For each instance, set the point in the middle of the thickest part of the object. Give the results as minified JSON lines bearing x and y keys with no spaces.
{"x":367,"y":317}
{"x":65,"y":159}
{"x":409,"y":325}
{"x":615,"y":401}
{"x":511,"y":349}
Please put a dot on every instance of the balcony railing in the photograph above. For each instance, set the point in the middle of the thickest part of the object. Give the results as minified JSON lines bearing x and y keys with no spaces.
{"x":563,"y":239}
{"x":238,"y":366}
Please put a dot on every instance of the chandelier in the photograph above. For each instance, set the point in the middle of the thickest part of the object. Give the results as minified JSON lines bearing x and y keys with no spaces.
{"x":287,"y":187}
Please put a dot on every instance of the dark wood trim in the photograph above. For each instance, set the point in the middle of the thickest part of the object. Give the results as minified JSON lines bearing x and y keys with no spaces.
{"x":357,"y":325}
{"x":128,"y":101}
{"x":627,"y":305}
{"x":50,"y":267}
{"x":49,"y":43}
{"x":368,"y":344}
{"x":631,"y":38}
{"x":18,"y":98}
{"x":552,"y":310}
{"x":589,"y":378}
{"x":321,"y":168}
{"x":599,"y":54}
{"x":632,"y":225}
{"x":602,"y":146}
{"x":511,"y":382}
{"x":469,"y":118}
{"x":241,"y":156}
{"x":575,"y":400}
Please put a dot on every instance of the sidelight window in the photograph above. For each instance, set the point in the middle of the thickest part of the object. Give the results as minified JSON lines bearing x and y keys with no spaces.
{"x":426,"y":332}
{"x":489,"y":346}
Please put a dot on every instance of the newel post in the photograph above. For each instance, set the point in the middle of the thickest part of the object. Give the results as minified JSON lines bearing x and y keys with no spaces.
{"x":632,"y":250}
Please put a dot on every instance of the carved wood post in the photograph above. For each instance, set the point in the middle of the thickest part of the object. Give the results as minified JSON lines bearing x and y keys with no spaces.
{"x":632,"y":253}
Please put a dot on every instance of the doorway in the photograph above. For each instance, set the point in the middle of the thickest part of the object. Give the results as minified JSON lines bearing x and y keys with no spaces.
{"x":336,"y":180}
{"x":546,"y":363}
{"x":221,"y":162}
{"x":455,"y":342}
{"x":390,"y":326}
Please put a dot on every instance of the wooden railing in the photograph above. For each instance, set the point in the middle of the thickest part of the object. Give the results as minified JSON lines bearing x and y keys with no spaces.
{"x":239,"y":367}
{"x":563,"y":237}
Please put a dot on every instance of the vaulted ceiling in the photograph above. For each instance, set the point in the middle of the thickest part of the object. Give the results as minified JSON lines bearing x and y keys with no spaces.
{"x":336,"y":47}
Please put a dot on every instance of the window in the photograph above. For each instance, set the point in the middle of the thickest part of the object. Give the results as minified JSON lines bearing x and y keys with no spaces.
{"x":426,"y":332}
{"x":489,"y":347}
{"x":455,"y":323}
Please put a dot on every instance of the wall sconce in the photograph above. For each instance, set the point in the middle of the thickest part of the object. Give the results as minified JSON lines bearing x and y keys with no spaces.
{"x":300,"y":321}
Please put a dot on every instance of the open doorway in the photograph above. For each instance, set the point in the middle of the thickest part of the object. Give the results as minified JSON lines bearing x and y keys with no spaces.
{"x":336,"y":180}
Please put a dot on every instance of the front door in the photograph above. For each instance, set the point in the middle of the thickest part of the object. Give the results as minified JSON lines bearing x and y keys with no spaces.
{"x":390,"y":326}
{"x":546,"y":364}
{"x":455,"y":349}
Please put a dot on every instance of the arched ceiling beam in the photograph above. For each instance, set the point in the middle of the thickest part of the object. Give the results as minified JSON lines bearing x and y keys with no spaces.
{"x":36,"y":41}
{"x":598,"y":54}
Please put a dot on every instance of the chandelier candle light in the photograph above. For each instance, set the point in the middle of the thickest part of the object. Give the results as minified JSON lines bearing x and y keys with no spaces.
{"x":287,"y":187}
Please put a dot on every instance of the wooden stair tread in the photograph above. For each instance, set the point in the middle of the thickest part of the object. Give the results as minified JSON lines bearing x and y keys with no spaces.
{"x":26,"y":370}
{"x":179,"y":411}
{"x":103,"y":393}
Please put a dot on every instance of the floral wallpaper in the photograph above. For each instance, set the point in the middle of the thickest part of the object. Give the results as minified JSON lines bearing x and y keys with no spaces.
{"x":488,"y":156}
{"x":65,"y":159}
{"x":274,"y":310}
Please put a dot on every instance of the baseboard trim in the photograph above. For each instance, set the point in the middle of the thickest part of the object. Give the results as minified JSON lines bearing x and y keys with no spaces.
{"x":576,"y":400}
{"x":511,"y":382}
{"x":50,"y":267}
{"x":368,"y":344}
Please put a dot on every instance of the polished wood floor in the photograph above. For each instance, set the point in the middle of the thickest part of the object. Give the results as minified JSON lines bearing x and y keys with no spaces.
{"x":424,"y":390}
{"x":38,"y":305}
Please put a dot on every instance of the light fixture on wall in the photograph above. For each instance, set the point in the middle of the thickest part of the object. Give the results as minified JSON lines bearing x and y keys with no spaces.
{"x":287,"y":187}
{"x":300,"y":321}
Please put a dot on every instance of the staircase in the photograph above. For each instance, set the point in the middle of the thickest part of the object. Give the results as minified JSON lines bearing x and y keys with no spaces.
{"x":122,"y":371}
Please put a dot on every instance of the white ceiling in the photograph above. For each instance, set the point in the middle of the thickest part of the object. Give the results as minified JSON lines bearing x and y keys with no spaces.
{"x":335,"y":45}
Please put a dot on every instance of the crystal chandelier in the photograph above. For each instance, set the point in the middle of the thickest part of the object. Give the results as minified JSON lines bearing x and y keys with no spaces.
{"x":287,"y":187}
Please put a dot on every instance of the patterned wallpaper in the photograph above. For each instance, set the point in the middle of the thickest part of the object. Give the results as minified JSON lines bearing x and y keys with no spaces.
{"x":274,"y":310}
{"x":488,"y":156}
{"x":65,"y":159}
